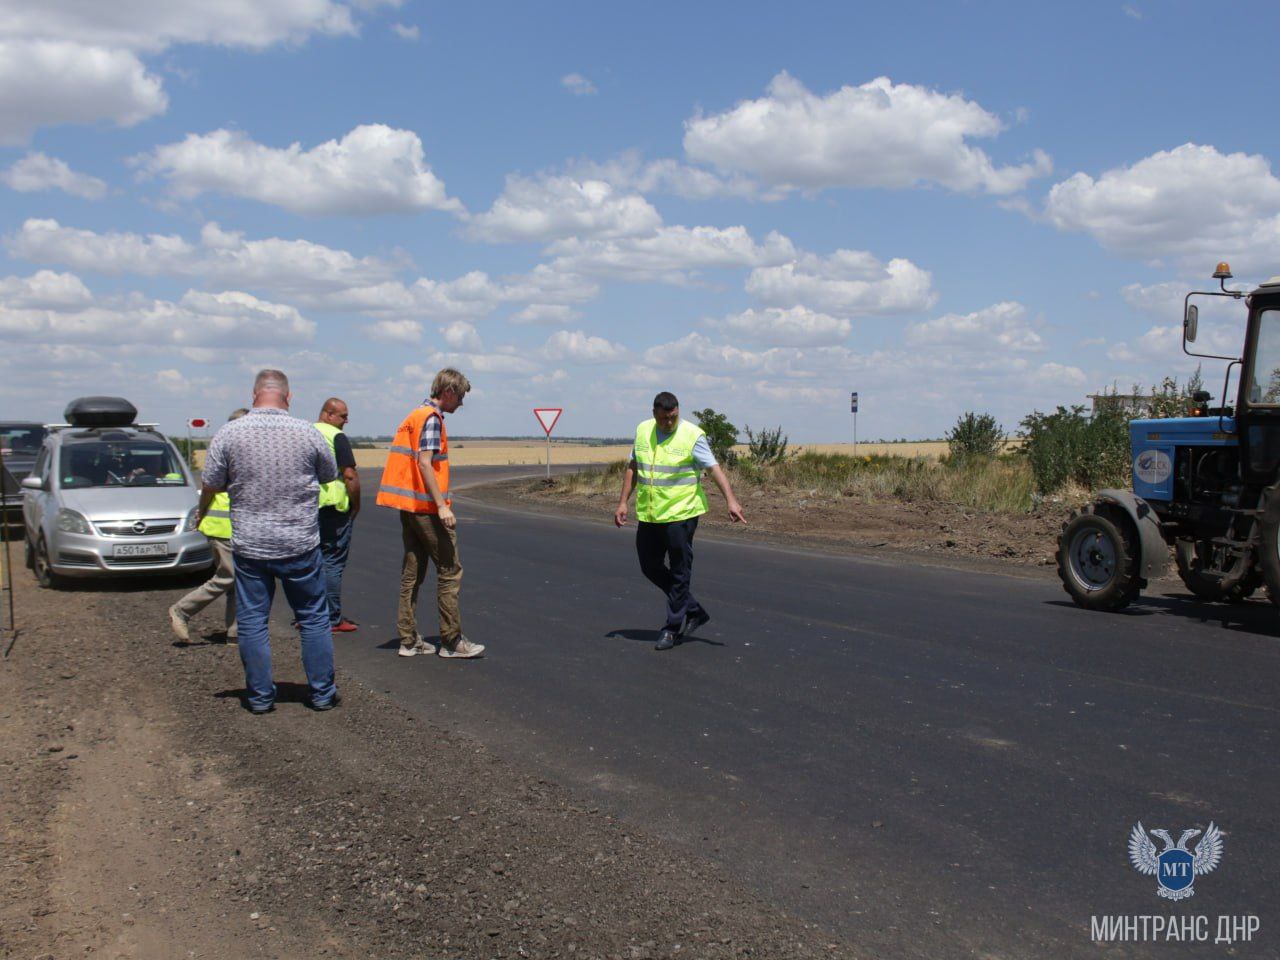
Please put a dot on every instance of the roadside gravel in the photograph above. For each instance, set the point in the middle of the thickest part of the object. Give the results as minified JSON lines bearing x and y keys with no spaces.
{"x":146,"y":814}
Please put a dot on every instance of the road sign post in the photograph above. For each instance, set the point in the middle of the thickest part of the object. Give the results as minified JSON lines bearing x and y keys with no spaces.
{"x":853,"y":408}
{"x":547,"y":417}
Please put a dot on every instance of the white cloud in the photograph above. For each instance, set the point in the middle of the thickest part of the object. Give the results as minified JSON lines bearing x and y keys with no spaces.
{"x":577,"y":84}
{"x":554,"y":207}
{"x":395,"y":331}
{"x":406,"y":32}
{"x":880,"y":134}
{"x":670,"y":254}
{"x":36,"y":172}
{"x":77,"y":62}
{"x":309,"y":274}
{"x":551,"y":313}
{"x":44,"y":83}
{"x":199,"y":319}
{"x":1191,"y":204}
{"x":153,"y":25}
{"x":45,"y":290}
{"x":629,"y":172}
{"x":797,"y":326}
{"x":579,"y":347}
{"x":848,"y":283}
{"x":1059,"y":375}
{"x":374,"y":169}
{"x":463,"y":336}
{"x":296,"y":266}
{"x":1001,"y":327}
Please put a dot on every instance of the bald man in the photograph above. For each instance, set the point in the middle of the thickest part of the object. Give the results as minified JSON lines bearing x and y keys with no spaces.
{"x":339,"y":504}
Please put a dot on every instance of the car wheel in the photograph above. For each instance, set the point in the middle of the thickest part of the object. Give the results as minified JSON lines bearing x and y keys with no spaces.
{"x":28,"y":551}
{"x":45,"y":576}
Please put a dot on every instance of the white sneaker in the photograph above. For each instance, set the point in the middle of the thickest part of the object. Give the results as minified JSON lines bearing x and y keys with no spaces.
{"x":178,"y":620}
{"x":420,"y":646}
{"x":463,"y":649}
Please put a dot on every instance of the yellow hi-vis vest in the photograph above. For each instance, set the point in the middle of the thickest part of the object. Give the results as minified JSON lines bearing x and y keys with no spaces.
{"x":217,"y":522}
{"x":334,"y":493}
{"x":667,"y":487}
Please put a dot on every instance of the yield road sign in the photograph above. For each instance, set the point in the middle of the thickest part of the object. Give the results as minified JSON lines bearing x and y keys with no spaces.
{"x":547,"y":416}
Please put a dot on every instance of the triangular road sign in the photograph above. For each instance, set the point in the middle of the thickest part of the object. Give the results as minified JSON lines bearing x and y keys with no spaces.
{"x":547,"y":416}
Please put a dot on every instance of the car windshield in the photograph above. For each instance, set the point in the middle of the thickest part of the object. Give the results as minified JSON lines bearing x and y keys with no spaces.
{"x":120,"y":463}
{"x":21,"y":440}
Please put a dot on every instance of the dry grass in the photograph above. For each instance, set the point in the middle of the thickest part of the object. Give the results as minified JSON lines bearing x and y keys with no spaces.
{"x":1001,"y":485}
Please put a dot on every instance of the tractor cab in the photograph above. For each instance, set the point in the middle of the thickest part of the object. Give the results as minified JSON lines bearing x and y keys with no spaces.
{"x":1258,"y":403}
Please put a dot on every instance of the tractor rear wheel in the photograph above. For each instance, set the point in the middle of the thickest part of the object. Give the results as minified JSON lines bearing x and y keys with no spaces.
{"x":1191,"y":556}
{"x":1098,"y":558}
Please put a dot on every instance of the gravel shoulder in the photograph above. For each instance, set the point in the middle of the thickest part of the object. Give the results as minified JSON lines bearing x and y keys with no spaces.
{"x":146,"y":814}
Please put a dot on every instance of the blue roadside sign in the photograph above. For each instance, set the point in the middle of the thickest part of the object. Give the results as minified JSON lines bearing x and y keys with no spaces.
{"x":853,"y":403}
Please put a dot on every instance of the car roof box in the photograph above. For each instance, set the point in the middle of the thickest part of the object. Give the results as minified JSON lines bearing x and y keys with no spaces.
{"x":100,"y":412}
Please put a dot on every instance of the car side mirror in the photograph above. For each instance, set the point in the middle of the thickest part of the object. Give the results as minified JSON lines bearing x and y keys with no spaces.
{"x":1190,"y":322}
{"x":32,"y":483}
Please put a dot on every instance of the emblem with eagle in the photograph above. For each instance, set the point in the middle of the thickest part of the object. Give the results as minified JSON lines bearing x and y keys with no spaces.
{"x":1175,"y":867}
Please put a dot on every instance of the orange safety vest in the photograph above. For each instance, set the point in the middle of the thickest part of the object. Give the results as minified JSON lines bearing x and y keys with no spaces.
{"x":402,"y":484}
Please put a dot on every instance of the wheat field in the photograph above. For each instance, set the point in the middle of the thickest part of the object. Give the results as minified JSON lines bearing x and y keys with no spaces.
{"x":482,"y":453}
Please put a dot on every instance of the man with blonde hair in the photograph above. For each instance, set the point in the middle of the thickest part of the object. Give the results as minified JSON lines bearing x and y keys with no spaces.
{"x":415,"y":481}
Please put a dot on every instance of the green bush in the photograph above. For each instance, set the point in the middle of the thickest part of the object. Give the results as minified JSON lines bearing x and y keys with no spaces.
{"x":975,"y":435}
{"x":767,"y":446}
{"x":1068,"y":447}
{"x":721,"y":434}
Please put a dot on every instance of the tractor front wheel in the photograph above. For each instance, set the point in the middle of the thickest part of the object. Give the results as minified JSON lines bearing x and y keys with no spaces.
{"x":1098,"y":558}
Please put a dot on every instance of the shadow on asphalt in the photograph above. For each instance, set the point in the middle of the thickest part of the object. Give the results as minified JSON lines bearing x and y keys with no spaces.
{"x":651,"y":636}
{"x":1258,"y":618}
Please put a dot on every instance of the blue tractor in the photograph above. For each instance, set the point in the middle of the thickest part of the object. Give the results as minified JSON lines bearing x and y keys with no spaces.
{"x":1207,"y":485}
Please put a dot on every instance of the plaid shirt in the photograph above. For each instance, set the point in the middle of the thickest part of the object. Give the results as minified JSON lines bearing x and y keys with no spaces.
{"x":430,"y":441}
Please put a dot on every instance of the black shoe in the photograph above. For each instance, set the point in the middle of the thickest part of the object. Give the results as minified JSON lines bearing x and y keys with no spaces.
{"x":327,"y":705}
{"x":666,"y":640}
{"x":693,"y":621}
{"x":259,"y":711}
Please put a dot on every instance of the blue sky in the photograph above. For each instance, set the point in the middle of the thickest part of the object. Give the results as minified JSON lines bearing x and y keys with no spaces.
{"x":946,"y":207}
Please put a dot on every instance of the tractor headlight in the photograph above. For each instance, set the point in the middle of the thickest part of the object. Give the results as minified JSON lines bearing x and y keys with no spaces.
{"x":192,"y":521}
{"x":71,"y":522}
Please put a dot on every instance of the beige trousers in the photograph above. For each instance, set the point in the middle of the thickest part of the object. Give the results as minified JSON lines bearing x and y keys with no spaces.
{"x":425,"y":539}
{"x":222,"y":583}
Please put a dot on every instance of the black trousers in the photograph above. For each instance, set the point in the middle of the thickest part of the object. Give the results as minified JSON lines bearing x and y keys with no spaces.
{"x":666,"y":558}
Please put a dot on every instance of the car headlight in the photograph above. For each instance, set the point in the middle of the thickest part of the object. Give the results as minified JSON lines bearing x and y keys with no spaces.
{"x":71,"y":522}
{"x":192,"y":521}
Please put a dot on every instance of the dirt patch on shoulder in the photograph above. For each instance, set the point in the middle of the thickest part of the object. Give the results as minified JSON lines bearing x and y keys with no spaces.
{"x":146,"y":814}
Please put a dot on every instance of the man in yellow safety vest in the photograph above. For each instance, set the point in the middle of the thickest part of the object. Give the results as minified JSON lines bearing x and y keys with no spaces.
{"x":216,"y":525}
{"x":668,"y":457}
{"x":339,"y":504}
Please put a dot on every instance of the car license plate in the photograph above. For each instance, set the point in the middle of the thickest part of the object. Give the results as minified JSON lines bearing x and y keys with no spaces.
{"x":141,"y":550}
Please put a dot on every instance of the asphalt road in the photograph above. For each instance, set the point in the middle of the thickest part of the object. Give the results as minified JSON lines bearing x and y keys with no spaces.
{"x":933,"y":762}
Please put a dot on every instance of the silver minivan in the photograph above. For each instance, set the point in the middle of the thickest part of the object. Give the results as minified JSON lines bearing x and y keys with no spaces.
{"x":110,"y":497}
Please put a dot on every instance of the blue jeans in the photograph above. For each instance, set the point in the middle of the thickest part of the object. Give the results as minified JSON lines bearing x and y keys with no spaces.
{"x":335,"y":544}
{"x":303,"y":580}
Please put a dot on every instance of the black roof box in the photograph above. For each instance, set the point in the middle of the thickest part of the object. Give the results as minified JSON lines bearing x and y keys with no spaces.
{"x":100,"y":412}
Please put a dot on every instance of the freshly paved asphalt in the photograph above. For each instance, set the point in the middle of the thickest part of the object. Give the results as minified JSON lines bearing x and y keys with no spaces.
{"x":933,"y":762}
